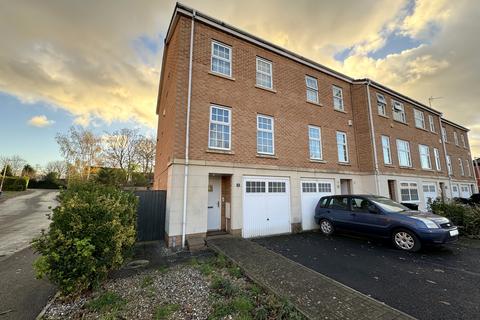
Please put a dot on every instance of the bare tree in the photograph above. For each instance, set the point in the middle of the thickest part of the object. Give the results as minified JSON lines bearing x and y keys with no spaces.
{"x":145,"y":153}
{"x":58,"y":166}
{"x":81,"y":148}
{"x":17,"y":164}
{"x":120,"y":148}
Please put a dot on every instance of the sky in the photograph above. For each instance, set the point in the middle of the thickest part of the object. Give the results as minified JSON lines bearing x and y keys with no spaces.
{"x":97,"y":63}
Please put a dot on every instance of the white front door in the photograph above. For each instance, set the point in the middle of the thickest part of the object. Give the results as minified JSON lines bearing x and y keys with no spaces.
{"x":429,"y":194}
{"x":214,"y":211}
{"x":455,"y":191}
{"x":312,"y":191}
{"x":465,"y":191}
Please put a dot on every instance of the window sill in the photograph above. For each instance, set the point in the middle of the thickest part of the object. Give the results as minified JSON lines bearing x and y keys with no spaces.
{"x":420,"y":128}
{"x":401,"y":122}
{"x":341,"y":111}
{"x":408,"y":168}
{"x":266,"y":89}
{"x":389,"y":165}
{"x":317,"y":161}
{"x":220,"y":151}
{"x":268,"y":156}
{"x":344,"y":163}
{"x":383,"y":116}
{"x":221,"y":76}
{"x":429,"y":170}
{"x":318,"y":104}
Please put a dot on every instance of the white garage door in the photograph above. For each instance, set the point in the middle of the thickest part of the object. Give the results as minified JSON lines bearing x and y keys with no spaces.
{"x":266,"y":206}
{"x":429,"y":194}
{"x":312,"y":191}
{"x":465,"y":191}
{"x":455,"y":191}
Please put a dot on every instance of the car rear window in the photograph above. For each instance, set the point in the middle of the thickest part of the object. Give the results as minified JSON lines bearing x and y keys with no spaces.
{"x":339,"y":203}
{"x":323,"y":202}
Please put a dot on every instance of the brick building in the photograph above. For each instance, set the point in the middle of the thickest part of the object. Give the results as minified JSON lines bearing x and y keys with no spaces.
{"x":251,"y":135}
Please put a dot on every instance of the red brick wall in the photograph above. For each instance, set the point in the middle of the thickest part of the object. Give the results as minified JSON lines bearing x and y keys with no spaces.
{"x":459,"y":151}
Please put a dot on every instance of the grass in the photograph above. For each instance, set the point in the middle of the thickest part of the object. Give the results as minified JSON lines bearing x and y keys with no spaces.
{"x":165,"y":311}
{"x":147,"y":281}
{"x":163,"y":269}
{"x":106,"y":302}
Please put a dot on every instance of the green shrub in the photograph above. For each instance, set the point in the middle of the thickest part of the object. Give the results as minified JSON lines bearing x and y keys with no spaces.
{"x":465,"y":216}
{"x":92,"y":231}
{"x":111,"y":176}
{"x":15,"y":183}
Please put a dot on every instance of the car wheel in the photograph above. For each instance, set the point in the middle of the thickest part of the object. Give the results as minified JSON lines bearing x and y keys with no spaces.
{"x":326,"y":227}
{"x":406,"y":240}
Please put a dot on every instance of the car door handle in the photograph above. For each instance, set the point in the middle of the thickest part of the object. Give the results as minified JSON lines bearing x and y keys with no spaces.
{"x":210,"y":207}
{"x":353,"y":214}
{"x":328,"y":211}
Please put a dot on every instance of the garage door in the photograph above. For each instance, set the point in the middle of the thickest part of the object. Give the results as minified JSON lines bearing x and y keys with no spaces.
{"x":429,"y":194}
{"x":455,"y":191}
{"x":465,"y":191}
{"x":266,"y":206}
{"x":311,"y":192}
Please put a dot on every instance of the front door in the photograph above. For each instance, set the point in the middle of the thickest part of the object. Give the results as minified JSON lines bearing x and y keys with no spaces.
{"x":429,"y":194}
{"x":214,"y":211}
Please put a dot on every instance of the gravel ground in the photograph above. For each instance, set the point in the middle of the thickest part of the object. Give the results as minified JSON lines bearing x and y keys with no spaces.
{"x":182,"y":286}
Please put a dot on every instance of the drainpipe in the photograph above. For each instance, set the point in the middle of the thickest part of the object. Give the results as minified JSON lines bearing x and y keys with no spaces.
{"x":372,"y":128}
{"x":187,"y":133}
{"x":445,"y":154}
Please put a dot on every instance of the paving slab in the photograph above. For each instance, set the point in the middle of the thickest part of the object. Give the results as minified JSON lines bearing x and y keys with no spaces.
{"x":315,"y":295}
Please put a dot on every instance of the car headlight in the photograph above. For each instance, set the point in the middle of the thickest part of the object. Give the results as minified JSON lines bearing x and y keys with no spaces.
{"x":428,"y":223}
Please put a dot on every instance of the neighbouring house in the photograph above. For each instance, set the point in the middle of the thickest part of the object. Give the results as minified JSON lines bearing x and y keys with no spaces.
{"x":476,"y":165}
{"x":251,"y":135}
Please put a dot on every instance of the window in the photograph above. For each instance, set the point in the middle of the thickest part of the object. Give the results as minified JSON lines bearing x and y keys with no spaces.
{"x":460,"y":163}
{"x":309,"y":187}
{"x":219,"y":136}
{"x":469,"y":173}
{"x":324,"y":187}
{"x":409,"y":191}
{"x":436,"y":153}
{"x":444,"y":134}
{"x":324,"y":201}
{"x":360,"y":204}
{"x":419,"y":119}
{"x":276,"y":187}
{"x":265,"y":135}
{"x":255,"y":186}
{"x":424,"y":156}
{"x":264,"y":73}
{"x":337,"y":98}
{"x":399,"y":111}
{"x":315,"y":142}
{"x":342,"y":146}
{"x":382,"y":105}
{"x":455,"y":137}
{"x":403,"y":149}
{"x":431,"y":122}
{"x":449,"y":165}
{"x":221,"y":59}
{"x":462,"y":137}
{"x":387,"y":155}
{"x":312,"y":89}
{"x":339,"y":203}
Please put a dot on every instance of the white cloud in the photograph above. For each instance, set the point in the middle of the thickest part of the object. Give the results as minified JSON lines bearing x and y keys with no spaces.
{"x":40,"y":121}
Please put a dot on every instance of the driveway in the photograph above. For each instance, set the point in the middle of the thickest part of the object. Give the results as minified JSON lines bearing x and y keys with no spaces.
{"x":22,"y":218}
{"x":437,"y":283}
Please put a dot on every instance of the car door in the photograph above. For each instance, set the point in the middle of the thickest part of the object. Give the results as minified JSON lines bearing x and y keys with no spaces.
{"x":367,"y":218}
{"x":338,"y":211}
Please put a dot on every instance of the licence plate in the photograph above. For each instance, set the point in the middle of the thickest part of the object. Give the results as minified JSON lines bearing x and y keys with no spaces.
{"x":454,"y":233}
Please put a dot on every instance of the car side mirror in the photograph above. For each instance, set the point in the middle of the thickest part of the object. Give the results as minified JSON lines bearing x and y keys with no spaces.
{"x":372,"y":209}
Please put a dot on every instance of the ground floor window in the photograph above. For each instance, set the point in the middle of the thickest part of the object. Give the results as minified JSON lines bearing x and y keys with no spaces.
{"x":409,"y":191}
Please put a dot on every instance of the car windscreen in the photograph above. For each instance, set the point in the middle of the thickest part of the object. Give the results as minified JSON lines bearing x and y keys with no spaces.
{"x":388,"y":204}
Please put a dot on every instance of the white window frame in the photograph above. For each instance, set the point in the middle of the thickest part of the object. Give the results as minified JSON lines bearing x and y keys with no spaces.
{"x":455,"y":138}
{"x":419,"y":119}
{"x":398,"y":110}
{"x":462,"y":137}
{"x":410,"y":186}
{"x":221,"y":58}
{"x":266,"y":130}
{"x":387,"y":153}
{"x":229,"y":124}
{"x":313,"y":90}
{"x":424,"y":152}
{"x":462,"y":170}
{"x":407,"y":151}
{"x":436,"y":154}
{"x":432,"y":123}
{"x":264,"y":73}
{"x":469,"y":172}
{"x":344,"y":146}
{"x":381,"y":105}
{"x":444,"y":134}
{"x":317,"y":140}
{"x":449,"y":165}
{"x":338,"y":98}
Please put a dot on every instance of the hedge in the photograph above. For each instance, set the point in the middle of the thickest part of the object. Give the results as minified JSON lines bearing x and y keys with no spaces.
{"x":91,"y":233}
{"x":15,"y":183}
{"x":465,"y":216}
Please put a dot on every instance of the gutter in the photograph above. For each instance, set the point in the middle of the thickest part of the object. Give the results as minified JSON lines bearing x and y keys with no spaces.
{"x":372,"y":128}
{"x":187,"y":133}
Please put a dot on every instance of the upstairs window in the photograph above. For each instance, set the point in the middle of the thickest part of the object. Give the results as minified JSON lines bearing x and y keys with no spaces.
{"x":312,"y":89}
{"x":432,"y":123}
{"x":467,"y":163}
{"x":265,"y":143}
{"x":455,"y":137}
{"x":424,"y":156}
{"x":342,"y":147}
{"x":462,"y":137}
{"x":219,"y":136}
{"x":338,"y":98}
{"x":419,"y":119}
{"x":381,"y":105}
{"x":221,"y":59}
{"x":403,"y":149}
{"x":387,"y":155}
{"x":315,"y":142}
{"x":436,"y":153}
{"x":460,"y":163}
{"x":449,"y":164}
{"x":398,"y":111}
{"x":264,"y":73}
{"x":444,"y":134}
